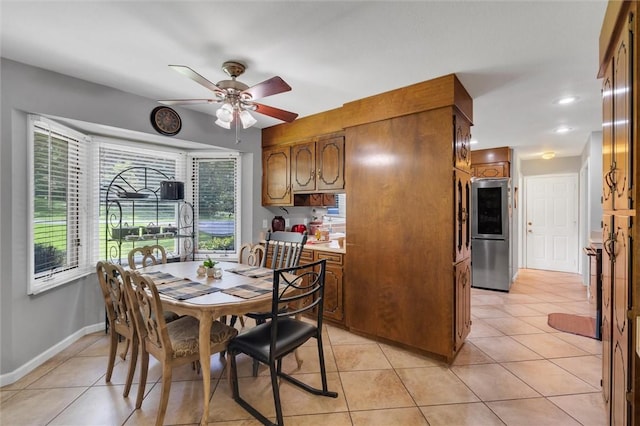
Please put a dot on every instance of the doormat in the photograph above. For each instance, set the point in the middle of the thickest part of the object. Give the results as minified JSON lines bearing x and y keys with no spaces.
{"x":576,"y":324}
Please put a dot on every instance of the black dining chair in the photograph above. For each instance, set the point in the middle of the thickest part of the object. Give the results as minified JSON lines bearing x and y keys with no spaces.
{"x":301,"y":289}
{"x":282,"y":249}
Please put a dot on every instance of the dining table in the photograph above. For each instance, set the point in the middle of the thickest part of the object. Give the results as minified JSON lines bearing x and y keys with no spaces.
{"x":240,"y":289}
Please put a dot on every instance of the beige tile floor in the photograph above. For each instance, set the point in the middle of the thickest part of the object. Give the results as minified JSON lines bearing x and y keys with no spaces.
{"x":513,"y":370}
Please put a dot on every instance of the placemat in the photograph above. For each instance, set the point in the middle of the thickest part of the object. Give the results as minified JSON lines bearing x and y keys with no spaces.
{"x":249,"y":291}
{"x":251,"y":271}
{"x":179,"y":288}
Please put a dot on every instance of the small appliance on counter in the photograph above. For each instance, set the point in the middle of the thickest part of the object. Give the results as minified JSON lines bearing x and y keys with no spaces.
{"x":314,"y":226}
{"x":298,"y":228}
{"x":278,"y":224}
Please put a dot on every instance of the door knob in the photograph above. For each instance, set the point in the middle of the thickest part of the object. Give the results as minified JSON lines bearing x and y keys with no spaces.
{"x":529,"y":231}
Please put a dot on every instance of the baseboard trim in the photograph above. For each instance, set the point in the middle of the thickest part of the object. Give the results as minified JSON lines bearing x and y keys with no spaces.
{"x":26,"y":368}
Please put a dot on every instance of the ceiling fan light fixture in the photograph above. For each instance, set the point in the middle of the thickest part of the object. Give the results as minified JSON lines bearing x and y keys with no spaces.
{"x":223,"y":124}
{"x":225,"y":113}
{"x":247,"y":119}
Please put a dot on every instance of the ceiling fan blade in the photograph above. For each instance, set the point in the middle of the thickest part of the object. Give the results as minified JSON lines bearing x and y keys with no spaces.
{"x":185,"y":70}
{"x":273,"y":86}
{"x":188,"y":101}
{"x":280,"y":114}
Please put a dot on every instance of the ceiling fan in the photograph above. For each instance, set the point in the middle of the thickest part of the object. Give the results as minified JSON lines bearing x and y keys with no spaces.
{"x":237,"y":98}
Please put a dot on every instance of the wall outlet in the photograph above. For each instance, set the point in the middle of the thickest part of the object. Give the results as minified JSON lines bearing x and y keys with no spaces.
{"x":305,"y":221}
{"x":264,"y":224}
{"x":287,"y":223}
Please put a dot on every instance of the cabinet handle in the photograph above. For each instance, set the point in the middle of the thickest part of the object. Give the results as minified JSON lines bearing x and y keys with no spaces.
{"x":610,"y":178}
{"x":465,"y":215}
{"x":319,"y":174}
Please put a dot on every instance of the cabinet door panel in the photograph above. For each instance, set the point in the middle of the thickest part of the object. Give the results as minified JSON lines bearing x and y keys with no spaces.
{"x":463,"y":302}
{"x":276,"y":172}
{"x":462,"y":206}
{"x":620,"y":327}
{"x":330,"y":163}
{"x":303,"y":170}
{"x":607,"y":307}
{"x":333,"y":308}
{"x":607,"y":141}
{"x":462,"y":143}
{"x":622,"y":122}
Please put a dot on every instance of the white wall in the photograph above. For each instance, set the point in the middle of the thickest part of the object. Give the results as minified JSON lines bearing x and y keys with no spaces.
{"x":32,"y":325}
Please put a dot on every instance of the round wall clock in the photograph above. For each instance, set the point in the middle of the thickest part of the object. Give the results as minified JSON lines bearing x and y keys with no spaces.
{"x":166,"y":121}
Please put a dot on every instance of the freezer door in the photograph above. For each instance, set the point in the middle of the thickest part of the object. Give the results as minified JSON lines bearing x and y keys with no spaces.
{"x":490,"y":264}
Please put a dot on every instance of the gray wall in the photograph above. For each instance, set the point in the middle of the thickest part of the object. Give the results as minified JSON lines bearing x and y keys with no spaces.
{"x":556,"y":165}
{"x":32,"y":325}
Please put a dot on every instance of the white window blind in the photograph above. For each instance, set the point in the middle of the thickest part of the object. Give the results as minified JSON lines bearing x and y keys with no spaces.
{"x":60,"y":209}
{"x":119,"y":156}
{"x":215,"y":189}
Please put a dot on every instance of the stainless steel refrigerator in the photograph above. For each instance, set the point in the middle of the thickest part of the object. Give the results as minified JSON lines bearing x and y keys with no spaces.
{"x":490,"y":234}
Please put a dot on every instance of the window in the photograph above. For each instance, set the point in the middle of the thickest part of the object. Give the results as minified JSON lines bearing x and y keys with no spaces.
{"x":216,"y":193}
{"x":59,"y":208}
{"x":118,"y":156}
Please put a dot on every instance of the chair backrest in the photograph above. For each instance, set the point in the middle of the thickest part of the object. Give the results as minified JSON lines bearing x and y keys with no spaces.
{"x":301,"y":288}
{"x":111,"y":278}
{"x":151,"y":255}
{"x":147,"y":313}
{"x":283,"y":249}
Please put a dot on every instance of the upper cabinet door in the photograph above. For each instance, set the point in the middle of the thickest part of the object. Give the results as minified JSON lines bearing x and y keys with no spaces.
{"x":461,"y":143}
{"x":607,"y":141}
{"x":276,"y":180}
{"x":330,"y":163}
{"x":622,"y":96}
{"x":462,"y":212}
{"x":303,"y":167}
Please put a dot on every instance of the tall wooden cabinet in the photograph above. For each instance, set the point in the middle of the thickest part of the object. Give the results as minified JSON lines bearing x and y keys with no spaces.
{"x":619,"y":55}
{"x":408,"y":173}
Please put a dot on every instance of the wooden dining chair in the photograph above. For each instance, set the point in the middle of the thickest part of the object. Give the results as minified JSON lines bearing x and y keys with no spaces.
{"x":302,"y":289}
{"x":173,"y":344}
{"x":252,"y":255}
{"x":111,"y":279}
{"x":151,"y":255}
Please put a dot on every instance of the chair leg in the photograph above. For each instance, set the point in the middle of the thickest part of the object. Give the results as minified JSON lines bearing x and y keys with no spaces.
{"x":132,"y":365}
{"x":298,"y":359}
{"x":144,"y":367}
{"x":123,"y":355}
{"x":276,"y":391}
{"x":113,"y":347}
{"x":164,"y":394}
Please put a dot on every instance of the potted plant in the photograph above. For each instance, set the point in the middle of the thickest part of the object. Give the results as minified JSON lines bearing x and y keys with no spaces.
{"x":210,"y":266}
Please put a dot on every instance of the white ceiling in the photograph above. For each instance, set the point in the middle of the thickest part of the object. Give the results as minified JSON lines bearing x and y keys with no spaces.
{"x":514,"y":57}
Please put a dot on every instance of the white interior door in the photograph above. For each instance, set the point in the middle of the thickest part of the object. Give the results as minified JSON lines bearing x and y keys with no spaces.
{"x":551,"y":222}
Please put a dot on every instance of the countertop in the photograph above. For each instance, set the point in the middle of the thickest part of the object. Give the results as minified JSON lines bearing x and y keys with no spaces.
{"x":595,"y":239}
{"x":331,"y":246}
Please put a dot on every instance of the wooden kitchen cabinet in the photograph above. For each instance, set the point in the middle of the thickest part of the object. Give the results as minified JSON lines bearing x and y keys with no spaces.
{"x":409,"y":281}
{"x":491,"y":163}
{"x":333,"y":286}
{"x":463,"y":302}
{"x":619,"y":53}
{"x":462,"y":143}
{"x":276,"y":176}
{"x":463,"y":215}
{"x":318,"y":165}
{"x":334,"y":282}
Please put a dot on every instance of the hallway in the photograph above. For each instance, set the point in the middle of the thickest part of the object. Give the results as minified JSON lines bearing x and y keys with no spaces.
{"x":513,"y":370}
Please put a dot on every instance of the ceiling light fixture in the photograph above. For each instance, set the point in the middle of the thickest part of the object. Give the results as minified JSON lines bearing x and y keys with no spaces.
{"x":548,"y":155}
{"x":566,"y":100}
{"x":563,"y":129}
